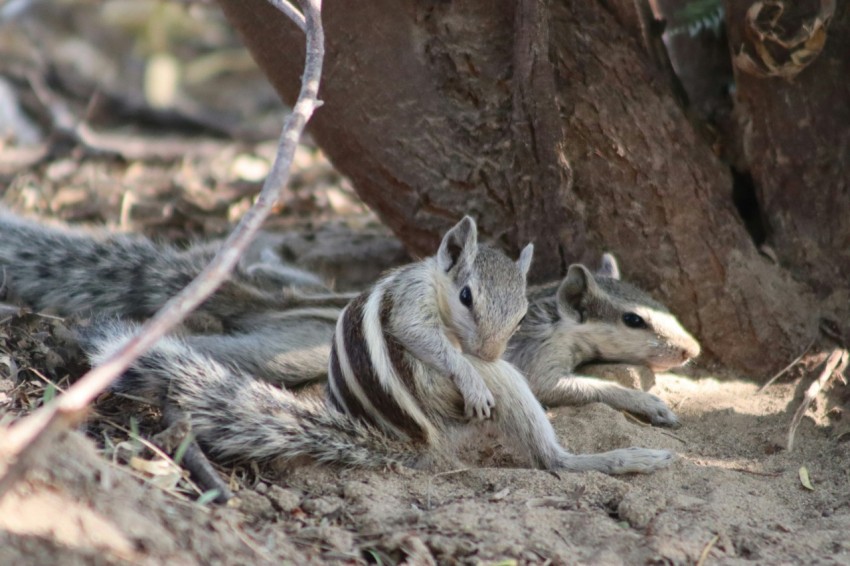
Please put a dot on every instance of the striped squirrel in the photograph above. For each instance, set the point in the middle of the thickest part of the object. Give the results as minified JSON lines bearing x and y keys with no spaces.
{"x":415,"y":361}
{"x":262,"y":332}
{"x":269,"y":319}
{"x":598,"y":318}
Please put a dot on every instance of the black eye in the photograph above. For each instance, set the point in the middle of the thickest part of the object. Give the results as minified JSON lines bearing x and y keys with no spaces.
{"x":632,"y":320}
{"x":466,"y":297}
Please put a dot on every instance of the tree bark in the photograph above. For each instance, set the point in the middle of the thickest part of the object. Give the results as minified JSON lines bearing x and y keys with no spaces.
{"x":796,"y":137}
{"x":544,"y":121}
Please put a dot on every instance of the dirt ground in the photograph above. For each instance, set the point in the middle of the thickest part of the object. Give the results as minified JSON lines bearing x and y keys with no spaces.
{"x":733,"y":497}
{"x":104,"y":495}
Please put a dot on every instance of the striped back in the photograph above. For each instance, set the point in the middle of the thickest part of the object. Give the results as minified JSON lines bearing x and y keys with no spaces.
{"x":369,"y":377}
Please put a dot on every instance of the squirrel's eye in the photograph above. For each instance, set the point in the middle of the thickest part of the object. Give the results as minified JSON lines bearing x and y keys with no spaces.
{"x":466,"y":297}
{"x":632,"y":320}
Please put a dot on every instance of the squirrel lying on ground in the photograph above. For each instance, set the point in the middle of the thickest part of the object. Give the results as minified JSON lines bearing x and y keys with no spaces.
{"x":285,"y":337}
{"x":598,"y":318}
{"x":415,"y":360}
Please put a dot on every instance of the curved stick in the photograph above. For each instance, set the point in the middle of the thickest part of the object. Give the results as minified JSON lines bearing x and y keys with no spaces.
{"x":23,"y":439}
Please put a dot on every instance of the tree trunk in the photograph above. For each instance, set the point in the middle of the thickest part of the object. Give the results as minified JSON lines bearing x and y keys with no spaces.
{"x":544,"y":121}
{"x":796,"y":137}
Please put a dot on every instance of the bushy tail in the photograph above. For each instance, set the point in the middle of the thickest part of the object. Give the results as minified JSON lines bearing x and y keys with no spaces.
{"x":76,"y":272}
{"x":238,"y":418}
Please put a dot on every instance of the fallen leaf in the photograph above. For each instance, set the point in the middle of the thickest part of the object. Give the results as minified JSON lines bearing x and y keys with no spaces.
{"x":162,"y":79}
{"x":773,"y":50}
{"x":804,"y":478}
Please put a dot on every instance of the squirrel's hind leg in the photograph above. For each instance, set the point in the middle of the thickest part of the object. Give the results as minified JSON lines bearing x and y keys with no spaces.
{"x":524,"y":425}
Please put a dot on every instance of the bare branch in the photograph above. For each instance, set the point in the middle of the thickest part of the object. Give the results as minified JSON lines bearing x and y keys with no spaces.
{"x":290,"y":10}
{"x":784,"y":370}
{"x":24,"y":437}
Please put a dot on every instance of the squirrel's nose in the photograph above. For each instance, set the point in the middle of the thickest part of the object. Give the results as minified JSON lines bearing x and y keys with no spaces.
{"x":690,"y":350}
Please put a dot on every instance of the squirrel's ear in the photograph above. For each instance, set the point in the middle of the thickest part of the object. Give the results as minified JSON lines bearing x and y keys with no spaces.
{"x":460,"y":245}
{"x":609,"y":267}
{"x":525,"y":257}
{"x":578,"y":283}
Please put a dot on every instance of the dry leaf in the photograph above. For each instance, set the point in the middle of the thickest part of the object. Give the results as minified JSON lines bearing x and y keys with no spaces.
{"x":162,"y":80}
{"x":163,"y":473}
{"x":250,"y":168}
{"x":774,"y":52}
{"x":499,"y":495}
{"x":804,"y":478}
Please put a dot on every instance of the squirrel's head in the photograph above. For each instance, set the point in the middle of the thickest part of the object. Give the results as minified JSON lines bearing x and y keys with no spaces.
{"x":482,"y":291}
{"x":628,"y":325}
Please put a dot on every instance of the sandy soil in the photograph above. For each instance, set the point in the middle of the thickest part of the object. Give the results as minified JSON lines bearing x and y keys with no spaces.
{"x":733,"y":497}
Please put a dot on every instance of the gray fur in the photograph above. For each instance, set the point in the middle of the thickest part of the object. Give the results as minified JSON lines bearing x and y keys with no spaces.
{"x":432,"y":323}
{"x":284,"y":338}
{"x":280,"y":335}
{"x":125,"y":275}
{"x":239,"y":418}
{"x":580,"y":321}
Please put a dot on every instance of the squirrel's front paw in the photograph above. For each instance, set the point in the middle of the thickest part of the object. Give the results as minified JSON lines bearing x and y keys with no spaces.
{"x":478,"y":400}
{"x":657,"y":411}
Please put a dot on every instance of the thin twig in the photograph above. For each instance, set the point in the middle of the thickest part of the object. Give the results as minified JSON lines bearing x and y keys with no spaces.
{"x":25,"y":438}
{"x":634,"y":419}
{"x":789,"y":366}
{"x":703,"y":556}
{"x":246,"y":540}
{"x":673,"y":436}
{"x":137,"y":148}
{"x":756,"y":473}
{"x":836,"y":363}
{"x":641,"y":423}
{"x":287,"y":8}
{"x":431,"y":478}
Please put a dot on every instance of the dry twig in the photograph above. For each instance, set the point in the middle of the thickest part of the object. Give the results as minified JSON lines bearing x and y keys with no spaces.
{"x":130,"y":148}
{"x":703,"y":556}
{"x":784,"y":370}
{"x":441,"y":474}
{"x":836,"y":363}
{"x":23,"y":440}
{"x":287,"y":8}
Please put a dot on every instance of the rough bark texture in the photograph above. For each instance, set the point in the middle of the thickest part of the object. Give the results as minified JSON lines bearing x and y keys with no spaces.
{"x":544,"y":121}
{"x":796,"y":138}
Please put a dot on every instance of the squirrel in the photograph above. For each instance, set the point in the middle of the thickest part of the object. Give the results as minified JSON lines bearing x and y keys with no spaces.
{"x":415,"y":361}
{"x":269,"y":319}
{"x":590,"y":318}
{"x":277,"y":322}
